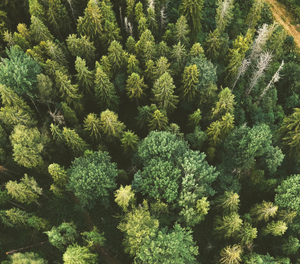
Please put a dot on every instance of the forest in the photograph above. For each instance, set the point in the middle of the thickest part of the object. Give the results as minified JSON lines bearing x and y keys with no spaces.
{"x":148,"y":132}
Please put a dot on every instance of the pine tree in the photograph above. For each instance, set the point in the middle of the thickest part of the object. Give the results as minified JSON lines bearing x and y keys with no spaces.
{"x":129,"y":141}
{"x":57,"y":15}
{"x":229,"y":202}
{"x":182,"y":30}
{"x":84,"y":76}
{"x":161,"y":66}
{"x":130,"y":45}
{"x":277,"y":228}
{"x":229,"y":225}
{"x":69,"y":114}
{"x":58,"y":174}
{"x":39,"y":31}
{"x":135,"y":87}
{"x":74,"y":141}
{"x":291,"y":245}
{"x":124,"y":197}
{"x":110,"y":125}
{"x":92,"y":124}
{"x":105,"y":91}
{"x":231,"y":254}
{"x":90,"y":24}
{"x":158,"y":121}
{"x":224,"y":105}
{"x":81,"y":47}
{"x":193,"y":11}
{"x":179,"y":54}
{"x":190,"y":79}
{"x":247,"y":234}
{"x":163,"y":90}
{"x":224,"y":14}
{"x":196,"y":50}
{"x":146,"y":46}
{"x":21,"y":192}
{"x":78,"y":254}
{"x":36,"y":9}
{"x":27,"y":257}
{"x":133,"y":65}
{"x":194,"y":118}
{"x":117,"y":56}
{"x":263,"y":211}
{"x":163,"y":50}
{"x":55,"y":52}
{"x":68,"y":91}
{"x":254,"y":13}
{"x":130,"y":9}
{"x":139,"y":12}
{"x":213,"y":44}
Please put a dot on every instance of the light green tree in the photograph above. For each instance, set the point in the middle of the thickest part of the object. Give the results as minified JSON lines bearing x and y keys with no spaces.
{"x":84,"y":76}
{"x":255,"y":13}
{"x":190,"y":79}
{"x":26,"y":258}
{"x":231,"y":254}
{"x":163,"y":90}
{"x":229,"y":202}
{"x":247,"y":233}
{"x":21,"y":192}
{"x":117,"y":56}
{"x":137,"y":225}
{"x":57,"y":15}
{"x":182,"y":30}
{"x":133,"y":65}
{"x":92,"y":124}
{"x":291,"y":245}
{"x":110,"y":125}
{"x":58,"y":174}
{"x":76,"y":254}
{"x":224,"y":105}
{"x":196,"y":50}
{"x":27,"y":146}
{"x":158,"y":121}
{"x":129,"y":141}
{"x":161,"y":66}
{"x":229,"y":225}
{"x":135,"y":87}
{"x":194,"y":118}
{"x":276,"y":228}
{"x":263,"y":211}
{"x":39,"y":31}
{"x":124,"y":196}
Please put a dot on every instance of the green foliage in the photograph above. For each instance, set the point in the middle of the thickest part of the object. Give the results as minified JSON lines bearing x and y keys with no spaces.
{"x":26,"y":258}
{"x":19,"y":71}
{"x":288,"y":193}
{"x":39,"y":31}
{"x":229,"y":225}
{"x":58,"y":174}
{"x":27,"y":146}
{"x":69,"y":114}
{"x":247,"y":233}
{"x":229,"y":202}
{"x":158,"y":121}
{"x":291,"y":245}
{"x":196,"y":138}
{"x":92,"y":124}
{"x":277,"y":228}
{"x":62,"y":236}
{"x":190,"y":79}
{"x":137,"y":225}
{"x":231,"y":254}
{"x":225,"y":104}
{"x":76,"y":254}
{"x":83,"y":76}
{"x":92,"y":177}
{"x":169,"y":247}
{"x":129,"y":141}
{"x":124,"y":197}
{"x":263,"y":211}
{"x":93,"y":238}
{"x":135,"y":86}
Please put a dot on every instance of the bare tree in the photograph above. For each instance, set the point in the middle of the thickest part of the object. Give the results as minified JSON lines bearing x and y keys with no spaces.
{"x":242,"y":70}
{"x":261,"y":66}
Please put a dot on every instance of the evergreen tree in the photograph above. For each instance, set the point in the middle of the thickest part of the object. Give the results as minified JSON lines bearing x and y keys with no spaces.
{"x":263,"y":211}
{"x":182,"y":30}
{"x":133,"y":65}
{"x":116,"y":56}
{"x":224,"y":14}
{"x":84,"y":76}
{"x":129,"y":140}
{"x":196,"y":50}
{"x":58,"y":174}
{"x":229,"y":202}
{"x":69,"y":114}
{"x":255,"y":13}
{"x":161,"y":66}
{"x":231,"y":254}
{"x":193,"y":11}
{"x":21,"y":192}
{"x":229,"y":225}
{"x":26,"y":258}
{"x":277,"y":228}
{"x":163,"y":90}
{"x":110,"y":125}
{"x":135,"y":87}
{"x":158,"y":121}
{"x":225,"y":104}
{"x":77,"y":254}
{"x":247,"y":234}
{"x":57,"y":15}
{"x":36,"y":9}
{"x":189,"y":81}
{"x":81,"y":47}
{"x":105,"y":90}
{"x":213,"y":44}
{"x":194,"y":118}
{"x":124,"y":197}
{"x":39,"y":31}
{"x":291,"y":245}
{"x":92,"y":124}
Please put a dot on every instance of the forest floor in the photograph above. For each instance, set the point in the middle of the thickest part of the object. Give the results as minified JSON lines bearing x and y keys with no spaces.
{"x":285,"y":19}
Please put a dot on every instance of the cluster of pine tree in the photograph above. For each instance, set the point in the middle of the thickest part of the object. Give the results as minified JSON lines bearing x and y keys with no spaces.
{"x":142,"y":131}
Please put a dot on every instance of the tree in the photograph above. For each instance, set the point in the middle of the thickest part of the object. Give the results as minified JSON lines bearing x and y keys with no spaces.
{"x":92,"y":124}
{"x":161,"y":66}
{"x":196,"y":50}
{"x":92,"y":177}
{"x":224,"y":14}
{"x":247,"y":233}
{"x":263,"y":211}
{"x":190,"y":79}
{"x":135,"y":86}
{"x":62,"y":236}
{"x":117,"y":56}
{"x":19,"y":72}
{"x":69,"y":114}
{"x":90,"y":24}
{"x":81,"y":47}
{"x":176,"y":246}
{"x":193,"y":11}
{"x":213,"y":44}
{"x":36,"y":9}
{"x":74,"y":141}
{"x":277,"y":228}
{"x":158,"y":121}
{"x":26,"y":258}
{"x":84,"y":76}
{"x":182,"y":30}
{"x":163,"y":50}
{"x":133,"y":65}
{"x":231,"y":254}
{"x":94,"y":238}
{"x":291,"y":245}
{"x":129,"y":140}
{"x":39,"y":31}
{"x":229,"y":202}
{"x":124,"y":197}
{"x":288,"y":131}
{"x":105,"y":91}
{"x":179,"y":54}
{"x":57,"y":15}
{"x":225,"y":104}
{"x":110,"y":125}
{"x":254,"y":13}
{"x":229,"y":225}
{"x":58,"y":174}
{"x":76,"y":254}
{"x":145,"y":43}
{"x":137,"y":226}
{"x":288,"y":193}
{"x":27,"y":146}
{"x":194,"y":118}
{"x":163,"y":90}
